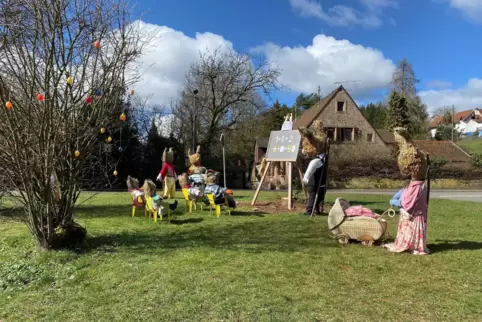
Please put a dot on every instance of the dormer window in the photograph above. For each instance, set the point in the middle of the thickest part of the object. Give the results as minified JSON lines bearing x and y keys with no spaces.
{"x":340,"y":106}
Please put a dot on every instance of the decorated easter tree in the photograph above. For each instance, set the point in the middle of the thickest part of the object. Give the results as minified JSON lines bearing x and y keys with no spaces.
{"x":66,"y":70}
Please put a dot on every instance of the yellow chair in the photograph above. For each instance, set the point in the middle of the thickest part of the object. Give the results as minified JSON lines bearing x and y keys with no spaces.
{"x":212,"y":205}
{"x":138,"y":203}
{"x":189,"y":203}
{"x":151,"y":212}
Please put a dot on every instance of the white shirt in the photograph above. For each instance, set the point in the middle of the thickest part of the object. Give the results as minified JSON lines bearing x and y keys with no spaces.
{"x":314,"y":165}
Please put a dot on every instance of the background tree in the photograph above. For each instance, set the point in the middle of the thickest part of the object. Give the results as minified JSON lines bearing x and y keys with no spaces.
{"x":405,"y":82}
{"x":228,"y":83}
{"x":304,"y":102}
{"x":49,"y":126}
{"x":447,"y":118}
{"x":444,"y":132}
{"x":273,"y":118}
{"x":397,"y":112}
{"x":375,"y":114}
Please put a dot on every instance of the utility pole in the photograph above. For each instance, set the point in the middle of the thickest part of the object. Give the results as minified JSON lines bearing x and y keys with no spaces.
{"x":319,"y":93}
{"x":194,"y":120}
{"x":453,"y":122}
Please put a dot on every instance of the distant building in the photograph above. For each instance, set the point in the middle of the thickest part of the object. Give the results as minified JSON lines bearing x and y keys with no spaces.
{"x":466,"y":122}
{"x":342,"y":119}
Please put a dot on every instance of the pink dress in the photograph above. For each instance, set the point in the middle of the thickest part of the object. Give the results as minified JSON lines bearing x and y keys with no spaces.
{"x":412,"y":229}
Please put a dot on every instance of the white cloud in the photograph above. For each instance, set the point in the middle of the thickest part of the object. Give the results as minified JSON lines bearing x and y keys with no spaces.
{"x":463,"y":98}
{"x":323,"y":63}
{"x":328,"y":61}
{"x":344,"y":16}
{"x":471,"y":8}
{"x":167,"y":59}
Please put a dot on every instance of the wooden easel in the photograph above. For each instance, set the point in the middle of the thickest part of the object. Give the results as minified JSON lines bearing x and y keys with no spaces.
{"x":289,"y":173}
{"x":287,"y":126}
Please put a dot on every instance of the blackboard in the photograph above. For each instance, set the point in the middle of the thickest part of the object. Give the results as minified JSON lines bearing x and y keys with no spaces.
{"x":283,"y":146}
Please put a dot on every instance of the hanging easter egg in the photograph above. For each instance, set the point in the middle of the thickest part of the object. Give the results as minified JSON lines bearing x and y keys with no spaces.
{"x":121,"y":149}
{"x":8,"y":105}
{"x":98,"y":92}
{"x":109,"y":139}
{"x":132,"y":92}
{"x":40,"y":97}
{"x":70,"y":80}
{"x":77,"y":154}
{"x":123,"y":117}
{"x":97,"y":44}
{"x":115,"y":173}
{"x":88,"y":100}
{"x":102,"y":130}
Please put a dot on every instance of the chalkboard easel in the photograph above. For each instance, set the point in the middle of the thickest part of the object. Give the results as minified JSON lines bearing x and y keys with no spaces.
{"x":283,"y":146}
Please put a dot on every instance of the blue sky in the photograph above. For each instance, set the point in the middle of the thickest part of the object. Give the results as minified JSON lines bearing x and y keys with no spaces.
{"x":441,"y":38}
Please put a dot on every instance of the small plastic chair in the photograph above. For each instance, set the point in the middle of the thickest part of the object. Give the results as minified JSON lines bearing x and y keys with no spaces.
{"x":151,"y":212}
{"x":190,"y":203}
{"x":138,"y":202}
{"x":212,"y":205}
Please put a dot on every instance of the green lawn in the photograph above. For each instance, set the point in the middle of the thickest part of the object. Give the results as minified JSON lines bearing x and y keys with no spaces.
{"x":471,"y":145}
{"x":241,"y":268}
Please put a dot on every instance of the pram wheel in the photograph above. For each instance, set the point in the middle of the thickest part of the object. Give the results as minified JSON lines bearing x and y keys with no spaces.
{"x":343,"y":240}
{"x":367,"y":240}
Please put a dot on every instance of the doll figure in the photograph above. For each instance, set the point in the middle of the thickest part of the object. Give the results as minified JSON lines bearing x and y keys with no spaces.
{"x":168,"y":174}
{"x":195,"y":193}
{"x":312,"y":149}
{"x":150,"y":189}
{"x":412,"y":226}
{"x":195,"y":160}
{"x":219,"y":193}
{"x":136,"y":192}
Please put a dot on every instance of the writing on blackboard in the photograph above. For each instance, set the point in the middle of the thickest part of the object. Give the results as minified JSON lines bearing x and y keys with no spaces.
{"x":283,"y":146}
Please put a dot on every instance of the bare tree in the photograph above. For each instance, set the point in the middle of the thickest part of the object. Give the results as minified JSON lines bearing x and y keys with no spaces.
{"x":65,"y":67}
{"x":404,"y":80}
{"x":227,"y":83}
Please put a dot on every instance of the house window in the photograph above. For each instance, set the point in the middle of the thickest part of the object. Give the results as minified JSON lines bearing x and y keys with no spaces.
{"x":340,"y":106}
{"x":370,"y":137}
{"x":330,"y":133}
{"x":344,"y":134}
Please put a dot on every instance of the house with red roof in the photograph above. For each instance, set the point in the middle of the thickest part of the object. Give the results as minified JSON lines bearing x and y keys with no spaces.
{"x":466,"y":122}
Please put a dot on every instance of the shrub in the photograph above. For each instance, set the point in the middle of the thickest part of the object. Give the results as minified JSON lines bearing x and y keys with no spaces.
{"x":477,"y":160}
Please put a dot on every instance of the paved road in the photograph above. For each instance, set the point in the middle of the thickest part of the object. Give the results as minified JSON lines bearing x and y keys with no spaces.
{"x":459,"y":195}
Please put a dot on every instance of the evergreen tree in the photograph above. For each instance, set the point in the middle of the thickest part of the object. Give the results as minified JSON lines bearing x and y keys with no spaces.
{"x":397,"y":112}
{"x":405,"y":82}
{"x":375,"y":114}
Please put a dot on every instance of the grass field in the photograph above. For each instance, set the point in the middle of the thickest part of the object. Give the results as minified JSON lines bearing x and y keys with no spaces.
{"x":471,"y":146}
{"x":246,"y":267}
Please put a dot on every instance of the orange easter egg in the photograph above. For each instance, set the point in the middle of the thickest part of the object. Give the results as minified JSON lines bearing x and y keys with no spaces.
{"x":97,"y":44}
{"x":8,"y":105}
{"x":123,"y":117}
{"x":77,"y":154}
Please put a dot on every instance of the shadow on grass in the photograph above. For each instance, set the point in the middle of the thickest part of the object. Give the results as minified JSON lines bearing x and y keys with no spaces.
{"x":254,"y":237}
{"x":186,"y":221}
{"x":448,"y":245}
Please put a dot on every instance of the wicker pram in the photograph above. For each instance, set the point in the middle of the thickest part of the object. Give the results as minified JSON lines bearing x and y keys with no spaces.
{"x":345,"y":228}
